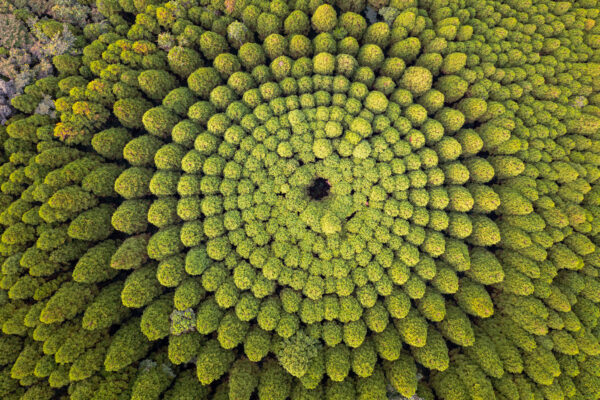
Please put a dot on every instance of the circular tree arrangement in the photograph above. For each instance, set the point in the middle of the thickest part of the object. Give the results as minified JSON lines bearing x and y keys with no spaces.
{"x":308,"y":199}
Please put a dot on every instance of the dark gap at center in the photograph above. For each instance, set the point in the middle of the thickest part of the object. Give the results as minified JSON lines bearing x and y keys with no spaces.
{"x":319,"y":189}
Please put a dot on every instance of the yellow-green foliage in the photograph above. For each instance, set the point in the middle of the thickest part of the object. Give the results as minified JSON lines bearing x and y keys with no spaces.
{"x":341,"y":199}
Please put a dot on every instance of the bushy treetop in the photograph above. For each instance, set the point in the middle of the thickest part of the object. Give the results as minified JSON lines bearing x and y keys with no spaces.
{"x":307,"y":200}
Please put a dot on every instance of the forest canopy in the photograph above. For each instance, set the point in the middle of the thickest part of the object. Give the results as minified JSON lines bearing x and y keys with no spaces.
{"x":300,"y":199}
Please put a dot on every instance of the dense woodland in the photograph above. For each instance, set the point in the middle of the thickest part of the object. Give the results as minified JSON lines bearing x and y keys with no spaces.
{"x":300,"y":199}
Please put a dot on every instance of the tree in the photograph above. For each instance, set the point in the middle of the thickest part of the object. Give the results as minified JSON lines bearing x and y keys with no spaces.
{"x":154,"y":378}
{"x":131,"y":254}
{"x":131,"y":216}
{"x":187,"y":387}
{"x":94,"y":266}
{"x":93,"y":224}
{"x":243,"y":379}
{"x":141,"y":287}
{"x":67,"y":302}
{"x":156,"y":83}
{"x":338,"y":362}
{"x":155,"y":323}
{"x":364,"y":359}
{"x":295,"y":353}
{"x":111,"y":142}
{"x":402,"y":374}
{"x":213,"y":361}
{"x":184,"y":347}
{"x":129,"y":111}
{"x":456,"y":327}
{"x":128,"y":346}
{"x":231,"y":331}
{"x":90,"y":362}
{"x":274,"y":383}
{"x":412,"y":328}
{"x":474,"y":299}
{"x":434,"y":355}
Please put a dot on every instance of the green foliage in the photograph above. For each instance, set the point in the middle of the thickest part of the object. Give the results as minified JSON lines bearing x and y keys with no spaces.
{"x":402,"y":374}
{"x":203,"y":80}
{"x":159,"y":121}
{"x":131,"y":253}
{"x":128,"y":346}
{"x":106,"y":309}
{"x":94,"y":265}
{"x":456,"y":327}
{"x":213,"y":361}
{"x":153,"y":379}
{"x":140,"y":151}
{"x":417,"y":80}
{"x":93,"y":224}
{"x":296,"y":353}
{"x":130,"y":111}
{"x":133,"y":182}
{"x":179,"y":100}
{"x":156,"y":83}
{"x":110,"y":142}
{"x":141,"y":287}
{"x":101,"y":181}
{"x":251,"y":199}
{"x":67,"y":302}
{"x":274,"y":383}
{"x":243,"y":379}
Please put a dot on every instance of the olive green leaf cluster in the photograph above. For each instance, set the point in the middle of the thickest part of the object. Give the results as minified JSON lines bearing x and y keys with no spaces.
{"x":249,"y":199}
